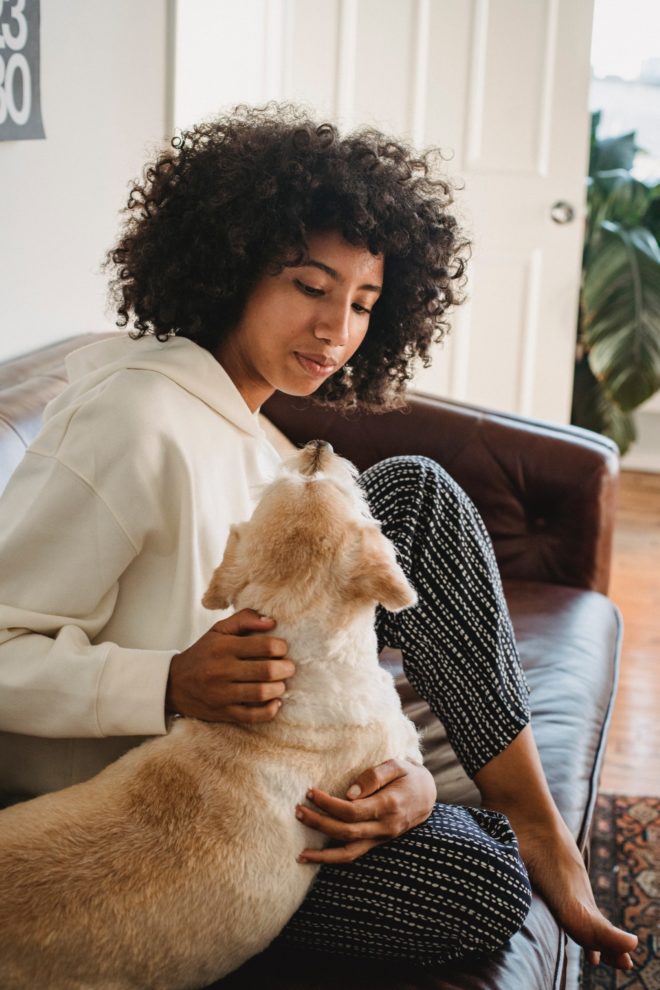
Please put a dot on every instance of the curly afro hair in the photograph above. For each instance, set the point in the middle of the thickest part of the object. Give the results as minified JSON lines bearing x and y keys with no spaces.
{"x":235,"y":197}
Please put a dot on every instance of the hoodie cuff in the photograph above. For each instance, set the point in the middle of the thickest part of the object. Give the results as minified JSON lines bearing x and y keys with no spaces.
{"x":131,"y":692}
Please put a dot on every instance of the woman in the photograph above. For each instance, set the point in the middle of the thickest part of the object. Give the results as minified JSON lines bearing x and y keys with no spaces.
{"x":265,"y":252}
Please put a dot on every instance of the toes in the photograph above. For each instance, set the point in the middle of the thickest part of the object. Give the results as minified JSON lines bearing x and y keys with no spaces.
{"x":621,"y":943}
{"x":624,"y":962}
{"x":614,"y":941}
{"x":609,"y":944}
{"x":621,"y":961}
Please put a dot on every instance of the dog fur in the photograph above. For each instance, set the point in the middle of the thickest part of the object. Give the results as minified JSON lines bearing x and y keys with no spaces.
{"x":178,"y":862}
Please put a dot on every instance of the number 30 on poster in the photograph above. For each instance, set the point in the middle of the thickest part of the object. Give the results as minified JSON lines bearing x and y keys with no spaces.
{"x":15,"y":80}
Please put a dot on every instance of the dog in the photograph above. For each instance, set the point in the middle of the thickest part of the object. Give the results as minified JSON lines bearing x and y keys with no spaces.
{"x":178,"y":862}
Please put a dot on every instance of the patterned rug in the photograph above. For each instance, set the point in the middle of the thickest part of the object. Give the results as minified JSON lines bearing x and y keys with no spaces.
{"x":625,"y":874}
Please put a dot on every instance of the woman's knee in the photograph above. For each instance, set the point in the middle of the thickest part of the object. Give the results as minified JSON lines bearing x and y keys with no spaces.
{"x":499,"y":892}
{"x":407,"y":476}
{"x":409,"y":494}
{"x":484,"y":894}
{"x":451,"y":888}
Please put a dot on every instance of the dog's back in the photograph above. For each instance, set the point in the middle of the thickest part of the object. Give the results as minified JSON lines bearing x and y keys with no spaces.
{"x":179,"y":861}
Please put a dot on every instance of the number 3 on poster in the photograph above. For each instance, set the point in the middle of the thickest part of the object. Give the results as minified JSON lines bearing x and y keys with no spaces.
{"x":15,"y":80}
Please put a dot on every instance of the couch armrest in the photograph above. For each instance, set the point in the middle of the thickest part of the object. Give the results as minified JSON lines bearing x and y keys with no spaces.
{"x":547,"y":493}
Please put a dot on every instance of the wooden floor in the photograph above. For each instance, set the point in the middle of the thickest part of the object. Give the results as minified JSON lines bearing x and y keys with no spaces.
{"x":632,"y":757}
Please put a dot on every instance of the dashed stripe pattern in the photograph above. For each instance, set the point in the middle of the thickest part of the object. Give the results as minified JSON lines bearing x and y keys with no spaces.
{"x":454,"y":886}
{"x":451,"y":887}
{"x":457,"y":643}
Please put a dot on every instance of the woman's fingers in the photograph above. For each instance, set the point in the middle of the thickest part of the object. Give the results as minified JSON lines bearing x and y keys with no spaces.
{"x":340,"y":854}
{"x":257,"y":670}
{"x":348,"y":811}
{"x":403,"y":798}
{"x":254,"y":647}
{"x":251,"y":714}
{"x":251,"y":692}
{"x":227,"y":672}
{"x":247,"y":620}
{"x":375,"y":778}
{"x":336,"y":829}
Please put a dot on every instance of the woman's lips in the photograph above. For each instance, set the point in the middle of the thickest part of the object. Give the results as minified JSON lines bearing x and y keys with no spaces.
{"x":314,"y":368}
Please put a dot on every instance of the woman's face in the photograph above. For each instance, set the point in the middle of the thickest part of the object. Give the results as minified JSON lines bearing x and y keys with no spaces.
{"x":302,"y":325}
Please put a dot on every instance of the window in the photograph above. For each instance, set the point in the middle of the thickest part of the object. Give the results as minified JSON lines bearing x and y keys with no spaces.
{"x":625,"y":81}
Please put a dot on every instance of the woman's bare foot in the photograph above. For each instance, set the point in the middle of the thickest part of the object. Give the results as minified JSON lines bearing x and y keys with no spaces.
{"x":557,"y":871}
{"x":513,"y":782}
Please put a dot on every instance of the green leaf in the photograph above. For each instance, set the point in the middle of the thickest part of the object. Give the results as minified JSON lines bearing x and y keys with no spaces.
{"x":621,"y":313}
{"x":593,"y":144}
{"x":593,"y":409}
{"x":616,"y":195}
{"x":614,"y":152}
{"x":651,"y":218}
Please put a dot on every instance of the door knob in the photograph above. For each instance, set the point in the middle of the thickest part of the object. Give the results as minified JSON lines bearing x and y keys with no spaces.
{"x":562,"y":212}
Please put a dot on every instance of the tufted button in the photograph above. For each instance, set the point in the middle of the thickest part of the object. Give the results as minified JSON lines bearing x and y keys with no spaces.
{"x":536,"y":521}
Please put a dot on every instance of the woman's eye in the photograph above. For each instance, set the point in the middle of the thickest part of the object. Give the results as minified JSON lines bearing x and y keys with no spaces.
{"x":308,"y":290}
{"x":361,"y":309}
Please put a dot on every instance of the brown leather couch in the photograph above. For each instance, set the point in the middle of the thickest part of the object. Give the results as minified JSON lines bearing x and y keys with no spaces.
{"x":547,"y":496}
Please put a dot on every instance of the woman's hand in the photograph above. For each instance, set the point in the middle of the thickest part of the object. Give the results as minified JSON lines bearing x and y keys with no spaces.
{"x":230,"y":676}
{"x":384,"y":802}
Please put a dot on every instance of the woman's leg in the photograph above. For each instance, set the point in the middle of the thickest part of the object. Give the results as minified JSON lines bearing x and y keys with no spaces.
{"x":514,"y":783}
{"x":459,"y":653}
{"x":457,"y":643}
{"x":451,"y":887}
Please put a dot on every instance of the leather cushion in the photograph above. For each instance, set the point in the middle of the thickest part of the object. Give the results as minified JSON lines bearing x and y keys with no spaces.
{"x":520,"y":474}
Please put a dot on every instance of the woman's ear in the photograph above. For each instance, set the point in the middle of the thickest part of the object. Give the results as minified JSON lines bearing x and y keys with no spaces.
{"x":229,"y":577}
{"x":377,"y":575}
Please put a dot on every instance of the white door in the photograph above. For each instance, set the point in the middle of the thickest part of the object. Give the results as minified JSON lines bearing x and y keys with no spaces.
{"x":503,"y":84}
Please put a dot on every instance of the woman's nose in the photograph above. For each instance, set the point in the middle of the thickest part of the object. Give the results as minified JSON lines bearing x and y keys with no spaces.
{"x":335,"y":329}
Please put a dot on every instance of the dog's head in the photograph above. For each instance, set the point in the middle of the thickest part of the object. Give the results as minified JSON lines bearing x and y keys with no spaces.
{"x":311,"y":542}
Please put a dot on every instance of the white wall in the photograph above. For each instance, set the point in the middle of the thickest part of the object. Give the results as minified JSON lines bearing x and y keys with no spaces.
{"x":104,"y":87}
{"x":222,"y":55}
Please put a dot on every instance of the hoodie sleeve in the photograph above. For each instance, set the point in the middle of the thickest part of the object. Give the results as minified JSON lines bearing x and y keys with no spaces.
{"x":62,"y":552}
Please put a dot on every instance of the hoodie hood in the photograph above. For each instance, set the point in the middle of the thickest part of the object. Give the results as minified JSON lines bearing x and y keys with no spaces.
{"x":187,"y":364}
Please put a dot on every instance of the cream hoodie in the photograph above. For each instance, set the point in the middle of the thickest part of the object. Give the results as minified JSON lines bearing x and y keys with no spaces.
{"x":110,"y":529}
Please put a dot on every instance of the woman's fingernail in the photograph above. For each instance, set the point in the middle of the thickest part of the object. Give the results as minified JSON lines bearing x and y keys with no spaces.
{"x":299,"y":814}
{"x":309,"y":795}
{"x":301,"y":859}
{"x":353,"y":791}
{"x":265,"y":618}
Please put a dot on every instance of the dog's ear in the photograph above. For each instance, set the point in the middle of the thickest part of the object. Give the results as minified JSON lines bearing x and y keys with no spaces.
{"x":377,"y":575}
{"x":229,"y":577}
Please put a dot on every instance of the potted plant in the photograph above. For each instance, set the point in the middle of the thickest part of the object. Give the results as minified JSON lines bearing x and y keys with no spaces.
{"x":618,"y":349}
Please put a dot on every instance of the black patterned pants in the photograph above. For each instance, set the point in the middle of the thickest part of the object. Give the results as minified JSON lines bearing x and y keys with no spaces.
{"x":454,"y":886}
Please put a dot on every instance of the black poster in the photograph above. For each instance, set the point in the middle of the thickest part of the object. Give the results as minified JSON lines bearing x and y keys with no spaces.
{"x":20,"y":88}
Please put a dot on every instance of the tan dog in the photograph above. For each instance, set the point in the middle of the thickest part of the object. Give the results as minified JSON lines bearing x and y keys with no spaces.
{"x":178,"y":862}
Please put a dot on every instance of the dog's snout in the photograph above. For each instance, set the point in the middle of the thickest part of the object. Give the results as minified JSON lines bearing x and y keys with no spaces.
{"x":316,"y":451}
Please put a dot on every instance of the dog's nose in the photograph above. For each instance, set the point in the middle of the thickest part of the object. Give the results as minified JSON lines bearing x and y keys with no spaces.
{"x":324,"y":446}
{"x":316,"y":451}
